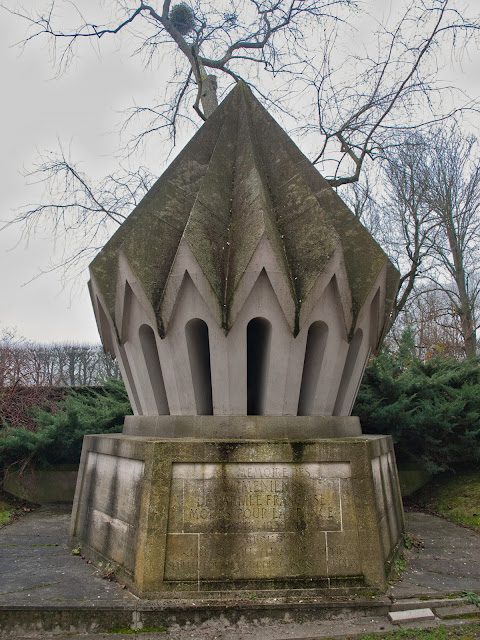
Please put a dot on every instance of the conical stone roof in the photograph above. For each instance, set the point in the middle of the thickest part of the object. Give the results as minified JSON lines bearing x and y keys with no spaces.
{"x":239,"y":179}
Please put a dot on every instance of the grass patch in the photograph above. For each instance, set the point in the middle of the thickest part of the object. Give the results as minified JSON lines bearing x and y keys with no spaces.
{"x":12,"y":507}
{"x":465,"y":631}
{"x":455,"y":497}
{"x":398,"y":567}
{"x":6,"y":512}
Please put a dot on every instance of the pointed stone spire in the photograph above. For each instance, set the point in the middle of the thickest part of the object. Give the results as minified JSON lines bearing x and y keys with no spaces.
{"x":241,"y":179}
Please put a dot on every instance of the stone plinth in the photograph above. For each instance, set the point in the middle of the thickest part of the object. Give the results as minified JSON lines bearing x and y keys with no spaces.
{"x":252,"y":427}
{"x":186,"y":516}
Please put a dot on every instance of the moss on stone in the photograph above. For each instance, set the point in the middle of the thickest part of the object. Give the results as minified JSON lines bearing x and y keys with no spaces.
{"x":241,"y":178}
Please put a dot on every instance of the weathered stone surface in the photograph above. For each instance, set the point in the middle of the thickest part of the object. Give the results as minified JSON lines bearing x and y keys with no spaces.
{"x":450,"y":613}
{"x":106,"y":514}
{"x":344,"y":557}
{"x":242,"y":299}
{"x":248,"y":427}
{"x":202,"y":515}
{"x":242,"y":497}
{"x":238,"y":179}
{"x":241,"y":284}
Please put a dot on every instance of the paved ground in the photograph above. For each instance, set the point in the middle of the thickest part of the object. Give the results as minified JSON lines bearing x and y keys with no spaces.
{"x":37,"y":568}
{"x":450,"y":561}
{"x":39,"y":576}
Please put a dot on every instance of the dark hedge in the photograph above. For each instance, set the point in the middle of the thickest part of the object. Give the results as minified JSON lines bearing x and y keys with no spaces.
{"x":431,"y":409}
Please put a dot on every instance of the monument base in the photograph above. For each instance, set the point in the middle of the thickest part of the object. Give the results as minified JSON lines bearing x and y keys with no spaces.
{"x":186,"y":517}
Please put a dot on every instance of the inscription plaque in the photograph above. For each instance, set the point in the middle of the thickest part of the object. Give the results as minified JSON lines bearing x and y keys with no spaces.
{"x":252,"y":520}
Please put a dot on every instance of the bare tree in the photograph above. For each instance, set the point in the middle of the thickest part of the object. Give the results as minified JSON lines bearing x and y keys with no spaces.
{"x":432,"y":228}
{"x":211,"y":38}
{"x":395,"y":90}
{"x":19,"y":393}
{"x":452,"y":170}
{"x":83,"y":364}
{"x":11,"y":369}
{"x":409,"y":226}
{"x":353,"y":108}
{"x":434,"y":324}
{"x":28,"y":364}
{"x":35,"y":376}
{"x":81,"y":213}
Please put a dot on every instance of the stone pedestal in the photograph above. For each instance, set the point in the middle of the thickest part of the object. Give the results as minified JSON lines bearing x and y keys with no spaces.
{"x":185,"y":516}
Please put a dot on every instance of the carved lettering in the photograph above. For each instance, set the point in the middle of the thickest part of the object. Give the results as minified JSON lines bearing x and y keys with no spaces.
{"x":254,"y":519}
{"x":246,"y":498}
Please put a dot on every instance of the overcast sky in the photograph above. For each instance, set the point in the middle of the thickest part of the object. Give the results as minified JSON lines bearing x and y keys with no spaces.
{"x":81,"y":107}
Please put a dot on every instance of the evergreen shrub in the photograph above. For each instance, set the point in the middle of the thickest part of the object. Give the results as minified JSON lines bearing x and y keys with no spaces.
{"x":431,"y":409}
{"x":59,"y":435}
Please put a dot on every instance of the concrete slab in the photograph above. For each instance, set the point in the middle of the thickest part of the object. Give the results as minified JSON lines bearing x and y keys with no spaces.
{"x":238,"y":515}
{"x":66,"y":595}
{"x":217,"y":630}
{"x":411,"y":615}
{"x":36,"y":567}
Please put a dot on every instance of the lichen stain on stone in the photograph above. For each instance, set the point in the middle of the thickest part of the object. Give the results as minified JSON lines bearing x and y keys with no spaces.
{"x":239,"y":179}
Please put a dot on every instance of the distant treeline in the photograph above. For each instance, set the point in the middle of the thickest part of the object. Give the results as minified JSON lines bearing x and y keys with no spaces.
{"x":36,"y":375}
{"x":26,"y":364}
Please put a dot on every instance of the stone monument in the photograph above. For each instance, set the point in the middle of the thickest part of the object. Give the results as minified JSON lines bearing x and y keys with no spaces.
{"x":241,"y":299}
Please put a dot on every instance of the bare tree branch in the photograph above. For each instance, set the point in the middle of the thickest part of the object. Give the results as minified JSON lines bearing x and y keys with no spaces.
{"x":354,"y":109}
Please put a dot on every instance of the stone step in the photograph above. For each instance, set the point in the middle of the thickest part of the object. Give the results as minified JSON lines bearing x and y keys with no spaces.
{"x":411,"y":615}
{"x":412,"y":603}
{"x":467,"y":610}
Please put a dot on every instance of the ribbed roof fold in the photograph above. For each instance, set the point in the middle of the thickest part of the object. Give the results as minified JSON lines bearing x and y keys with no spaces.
{"x":239,"y":179}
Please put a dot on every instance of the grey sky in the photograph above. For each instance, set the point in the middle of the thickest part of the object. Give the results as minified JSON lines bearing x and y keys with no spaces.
{"x":81,"y":107}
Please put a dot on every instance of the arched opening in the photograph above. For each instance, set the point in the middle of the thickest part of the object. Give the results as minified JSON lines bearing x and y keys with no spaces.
{"x":126,"y":373}
{"x":104,"y":327}
{"x":348,"y":371}
{"x":154,"y":370}
{"x":259,"y":336}
{"x":314,"y":352}
{"x":198,"y":345}
{"x":374,"y":320}
{"x":130,"y":382}
{"x":126,"y":313}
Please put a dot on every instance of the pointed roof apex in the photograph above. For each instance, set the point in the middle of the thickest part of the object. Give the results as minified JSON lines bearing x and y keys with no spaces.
{"x":241,"y":179}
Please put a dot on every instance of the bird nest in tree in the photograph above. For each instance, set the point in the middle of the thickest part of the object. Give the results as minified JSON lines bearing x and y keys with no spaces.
{"x":182,"y":18}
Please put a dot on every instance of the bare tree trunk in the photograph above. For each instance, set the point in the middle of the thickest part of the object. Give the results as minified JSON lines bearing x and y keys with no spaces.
{"x":450,"y":177}
{"x":469,"y":334}
{"x":71,"y":366}
{"x":465,"y":311}
{"x":467,"y":321}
